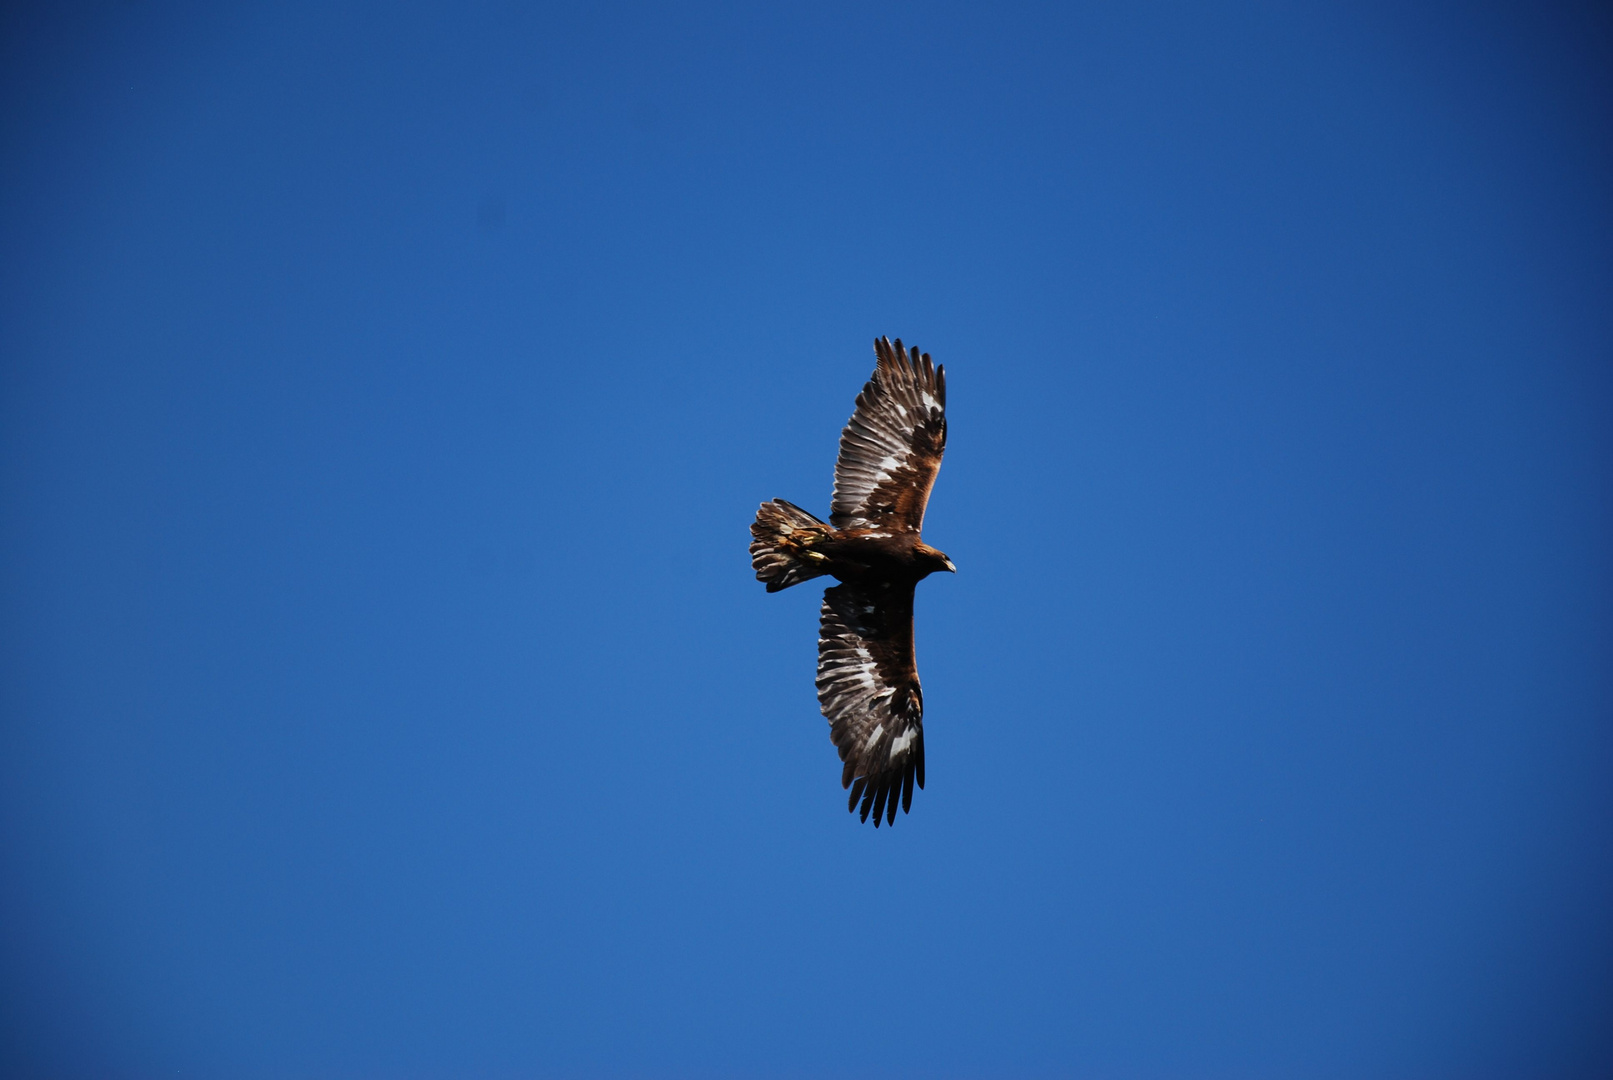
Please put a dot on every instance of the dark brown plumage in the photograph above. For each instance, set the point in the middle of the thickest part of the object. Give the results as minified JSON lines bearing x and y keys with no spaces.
{"x":868,"y":683}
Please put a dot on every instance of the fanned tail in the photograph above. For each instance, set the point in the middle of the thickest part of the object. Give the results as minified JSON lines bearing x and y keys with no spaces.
{"x":781,"y":553}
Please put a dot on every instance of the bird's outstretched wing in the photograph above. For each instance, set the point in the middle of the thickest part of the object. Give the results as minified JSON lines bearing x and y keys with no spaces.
{"x":891,"y":449}
{"x":868,"y":686}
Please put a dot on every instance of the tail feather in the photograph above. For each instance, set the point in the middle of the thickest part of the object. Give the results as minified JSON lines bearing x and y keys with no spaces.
{"x":781,"y":553}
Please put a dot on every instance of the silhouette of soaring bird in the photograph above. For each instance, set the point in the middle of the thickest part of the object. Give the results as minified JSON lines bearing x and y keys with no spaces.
{"x":868,"y":683}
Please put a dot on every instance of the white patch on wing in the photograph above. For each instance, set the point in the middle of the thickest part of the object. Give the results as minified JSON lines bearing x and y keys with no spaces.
{"x":890,"y":464}
{"x":903,"y":742}
{"x":874,"y":738}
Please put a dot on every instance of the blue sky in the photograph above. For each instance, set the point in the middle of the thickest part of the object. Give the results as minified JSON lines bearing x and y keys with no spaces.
{"x":386,"y":395}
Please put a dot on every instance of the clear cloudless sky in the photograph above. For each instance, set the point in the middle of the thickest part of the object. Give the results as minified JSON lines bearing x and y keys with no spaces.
{"x":387,"y":390}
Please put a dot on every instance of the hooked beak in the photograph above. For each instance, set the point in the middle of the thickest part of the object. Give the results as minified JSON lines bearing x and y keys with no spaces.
{"x":950,"y":567}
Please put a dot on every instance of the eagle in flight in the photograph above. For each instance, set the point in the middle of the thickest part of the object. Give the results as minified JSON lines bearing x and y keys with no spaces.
{"x":868,"y":684}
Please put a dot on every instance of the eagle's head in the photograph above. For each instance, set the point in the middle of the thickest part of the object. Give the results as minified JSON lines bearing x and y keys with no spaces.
{"x":932,"y":561}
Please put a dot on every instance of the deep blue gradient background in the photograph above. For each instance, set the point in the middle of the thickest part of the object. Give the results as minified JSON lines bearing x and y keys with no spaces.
{"x":386,"y":396}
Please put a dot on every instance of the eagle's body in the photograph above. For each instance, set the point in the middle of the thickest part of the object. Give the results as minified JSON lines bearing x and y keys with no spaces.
{"x":868,"y":683}
{"x":864,"y":555}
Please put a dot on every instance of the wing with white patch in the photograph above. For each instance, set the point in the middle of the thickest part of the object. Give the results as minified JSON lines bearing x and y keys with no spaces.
{"x":891,"y":449}
{"x":868,"y":686}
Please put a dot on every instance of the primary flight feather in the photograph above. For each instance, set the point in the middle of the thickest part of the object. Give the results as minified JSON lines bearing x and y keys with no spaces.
{"x":868,"y":682}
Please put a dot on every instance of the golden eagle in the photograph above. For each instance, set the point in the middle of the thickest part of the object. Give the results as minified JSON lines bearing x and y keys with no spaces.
{"x":868,"y":684}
